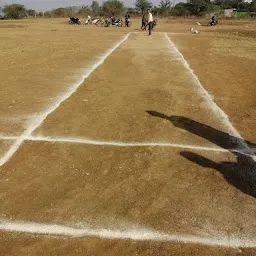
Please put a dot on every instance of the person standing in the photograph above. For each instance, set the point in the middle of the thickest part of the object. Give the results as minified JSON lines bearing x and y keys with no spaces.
{"x":127,"y":19}
{"x":143,"y":23}
{"x":88,"y":20}
{"x":150,"y":21}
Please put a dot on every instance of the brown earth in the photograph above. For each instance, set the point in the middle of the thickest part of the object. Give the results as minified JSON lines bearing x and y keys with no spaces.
{"x":30,"y":245}
{"x":34,"y":59}
{"x":160,"y":188}
{"x":4,"y":145}
{"x":226,"y":68}
{"x":110,"y":107}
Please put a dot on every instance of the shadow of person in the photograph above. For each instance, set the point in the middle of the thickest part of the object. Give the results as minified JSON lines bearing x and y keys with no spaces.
{"x":241,"y":174}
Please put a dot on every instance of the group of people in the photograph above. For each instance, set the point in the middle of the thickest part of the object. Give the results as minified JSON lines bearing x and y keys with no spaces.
{"x":147,"y":21}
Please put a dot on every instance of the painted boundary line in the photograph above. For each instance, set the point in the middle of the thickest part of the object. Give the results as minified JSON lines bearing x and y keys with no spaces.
{"x":38,"y":121}
{"x":212,"y":105}
{"x":138,"y":234}
{"x":61,"y":98}
{"x":88,"y":141}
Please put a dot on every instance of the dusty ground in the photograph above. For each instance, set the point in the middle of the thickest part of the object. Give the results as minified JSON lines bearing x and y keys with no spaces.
{"x":34,"y":58}
{"x":30,"y":245}
{"x":141,"y":93}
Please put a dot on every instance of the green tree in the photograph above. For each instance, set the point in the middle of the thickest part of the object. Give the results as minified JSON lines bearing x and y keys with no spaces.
{"x":84,"y":11}
{"x":143,"y":5}
{"x":31,"y":13}
{"x":48,"y":14}
{"x":253,"y":6}
{"x":244,"y":6}
{"x":95,"y":7}
{"x":15,"y":11}
{"x":62,"y":12}
{"x":226,"y":4}
{"x":180,"y":9}
{"x":200,"y":7}
{"x":112,"y":7}
{"x":165,"y":7}
{"x":155,"y":10}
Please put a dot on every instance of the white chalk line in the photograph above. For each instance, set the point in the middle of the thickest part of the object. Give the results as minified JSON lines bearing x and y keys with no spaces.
{"x":176,"y":33}
{"x":212,"y":105}
{"x":135,"y":234}
{"x":40,"y":119}
{"x":87,"y":141}
{"x":139,"y":234}
{"x":171,"y":33}
{"x":61,"y":98}
{"x":7,"y":137}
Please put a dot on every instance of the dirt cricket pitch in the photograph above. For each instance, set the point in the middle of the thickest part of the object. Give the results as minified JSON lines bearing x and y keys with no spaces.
{"x":116,"y":143}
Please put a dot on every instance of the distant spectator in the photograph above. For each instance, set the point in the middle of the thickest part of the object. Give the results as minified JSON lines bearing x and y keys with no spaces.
{"x":143,"y":23}
{"x":150,"y":21}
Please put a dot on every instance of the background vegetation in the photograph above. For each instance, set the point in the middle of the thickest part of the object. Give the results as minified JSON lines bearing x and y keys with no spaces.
{"x":116,"y":8}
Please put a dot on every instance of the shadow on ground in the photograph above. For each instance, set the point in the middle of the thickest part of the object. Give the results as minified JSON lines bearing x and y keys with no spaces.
{"x":240,"y":174}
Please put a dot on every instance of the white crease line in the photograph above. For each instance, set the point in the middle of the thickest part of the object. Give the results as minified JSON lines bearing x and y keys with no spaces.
{"x":125,"y":144}
{"x":122,"y":144}
{"x":177,"y":33}
{"x":134,"y":144}
{"x":139,"y":234}
{"x":212,"y":105}
{"x":158,"y":32}
{"x":3,"y":137}
{"x":61,"y":98}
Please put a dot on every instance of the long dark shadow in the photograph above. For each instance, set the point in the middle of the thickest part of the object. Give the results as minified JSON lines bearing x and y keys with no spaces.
{"x":240,"y":174}
{"x":222,"y":139}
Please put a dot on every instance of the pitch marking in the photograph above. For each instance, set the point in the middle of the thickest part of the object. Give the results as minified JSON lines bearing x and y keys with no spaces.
{"x":61,"y":98}
{"x":125,"y":144}
{"x":139,"y":234}
{"x":212,"y":105}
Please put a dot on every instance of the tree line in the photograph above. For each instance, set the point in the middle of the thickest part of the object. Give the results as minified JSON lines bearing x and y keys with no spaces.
{"x":202,"y":7}
{"x":116,"y":7}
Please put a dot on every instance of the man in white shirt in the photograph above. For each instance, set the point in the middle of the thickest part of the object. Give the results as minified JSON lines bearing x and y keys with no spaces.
{"x":88,"y":20}
{"x":150,"y":21}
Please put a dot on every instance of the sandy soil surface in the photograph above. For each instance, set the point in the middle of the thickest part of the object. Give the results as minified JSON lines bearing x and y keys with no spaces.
{"x":226,"y":66}
{"x":30,"y":245}
{"x":4,"y":145}
{"x":40,"y":60}
{"x":153,"y":188}
{"x":110,"y":107}
{"x":141,"y":93}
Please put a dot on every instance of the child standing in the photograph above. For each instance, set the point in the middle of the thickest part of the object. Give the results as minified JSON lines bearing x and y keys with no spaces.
{"x":143,"y":23}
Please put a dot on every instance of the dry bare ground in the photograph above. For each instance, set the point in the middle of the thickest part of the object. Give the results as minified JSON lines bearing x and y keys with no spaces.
{"x":138,"y":158}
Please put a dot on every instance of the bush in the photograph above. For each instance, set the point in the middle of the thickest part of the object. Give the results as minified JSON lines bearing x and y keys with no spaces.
{"x":253,"y":6}
{"x":143,"y":5}
{"x":193,"y":7}
{"x":180,"y":9}
{"x":14,"y":11}
{"x":242,"y":14}
{"x":112,"y":7}
{"x":48,"y":14}
{"x":62,"y":12}
{"x":84,"y":11}
{"x":31,"y":13}
{"x":200,"y":7}
{"x":95,"y":7}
